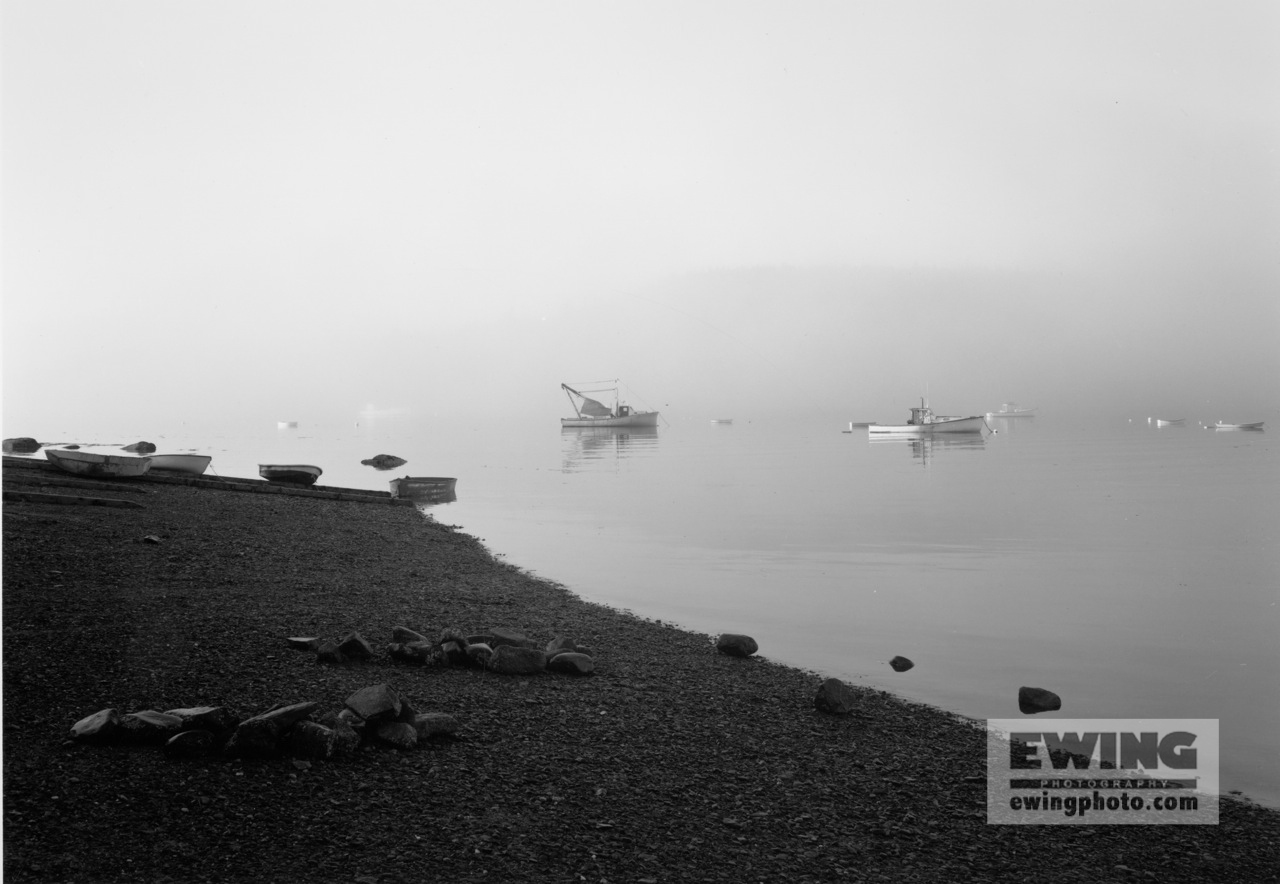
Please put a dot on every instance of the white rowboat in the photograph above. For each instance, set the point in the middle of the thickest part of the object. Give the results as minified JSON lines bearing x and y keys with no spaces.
{"x":192,"y":464}
{"x":98,"y":466}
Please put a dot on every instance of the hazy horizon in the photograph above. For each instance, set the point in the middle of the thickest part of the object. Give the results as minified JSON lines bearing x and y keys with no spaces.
{"x":242,"y":211}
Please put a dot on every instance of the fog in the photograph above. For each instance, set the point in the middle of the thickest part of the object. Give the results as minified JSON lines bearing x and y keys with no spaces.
{"x":218,"y":211}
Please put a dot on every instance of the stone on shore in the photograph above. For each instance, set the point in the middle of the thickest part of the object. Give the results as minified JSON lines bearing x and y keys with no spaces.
{"x":261,"y":734}
{"x":304,"y":642}
{"x":572,"y":663}
{"x":836,"y":697}
{"x":736,"y":645}
{"x":354,"y":647}
{"x":435,"y":724}
{"x":21,"y":445}
{"x":312,"y":740}
{"x":513,"y":660}
{"x":149,"y":726}
{"x":211,"y":718}
{"x":403,"y":635}
{"x":502,"y":637}
{"x":901,"y":664}
{"x":191,"y":744}
{"x":384,"y":462}
{"x":1035,"y":700}
{"x":377,"y":702}
{"x":101,"y":725}
{"x":329,"y":653}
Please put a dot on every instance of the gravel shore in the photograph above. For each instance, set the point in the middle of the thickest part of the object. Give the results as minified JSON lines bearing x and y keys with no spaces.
{"x":671,"y":764}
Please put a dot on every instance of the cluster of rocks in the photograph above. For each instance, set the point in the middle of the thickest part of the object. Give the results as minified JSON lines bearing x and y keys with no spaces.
{"x":384,"y":462}
{"x":503,"y":651}
{"x":373,"y":715}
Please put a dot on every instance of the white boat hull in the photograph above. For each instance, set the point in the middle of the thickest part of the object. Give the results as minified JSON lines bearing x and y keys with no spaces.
{"x":974,"y":424}
{"x":1257,"y":425}
{"x":193,"y":464}
{"x":99,"y":466}
{"x":640,"y":419}
{"x":290,"y":473}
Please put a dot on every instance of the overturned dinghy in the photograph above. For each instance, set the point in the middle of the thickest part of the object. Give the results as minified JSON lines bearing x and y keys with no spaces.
{"x":290,"y":473}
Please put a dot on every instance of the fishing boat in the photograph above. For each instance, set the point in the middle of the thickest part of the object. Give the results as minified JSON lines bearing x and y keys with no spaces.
{"x":924,"y":422}
{"x":1256,"y":425}
{"x":98,"y":466}
{"x":594,"y":413}
{"x":1011,"y":409}
{"x":290,"y":473}
{"x":192,"y":464}
{"x":426,"y":489}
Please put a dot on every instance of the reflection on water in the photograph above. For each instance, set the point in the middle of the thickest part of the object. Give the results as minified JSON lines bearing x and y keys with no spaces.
{"x":923,"y":448}
{"x":582,"y":445}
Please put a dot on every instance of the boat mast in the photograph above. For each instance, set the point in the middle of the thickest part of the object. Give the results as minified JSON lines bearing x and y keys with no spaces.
{"x":568,"y":390}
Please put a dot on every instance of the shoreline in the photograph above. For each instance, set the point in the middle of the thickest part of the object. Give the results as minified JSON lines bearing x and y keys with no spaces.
{"x":671,"y":763}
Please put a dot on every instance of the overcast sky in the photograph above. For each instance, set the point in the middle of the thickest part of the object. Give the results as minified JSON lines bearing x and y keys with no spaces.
{"x":285,"y":207}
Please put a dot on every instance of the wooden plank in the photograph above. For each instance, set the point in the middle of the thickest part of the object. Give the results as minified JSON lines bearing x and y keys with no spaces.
{"x":68,"y":500}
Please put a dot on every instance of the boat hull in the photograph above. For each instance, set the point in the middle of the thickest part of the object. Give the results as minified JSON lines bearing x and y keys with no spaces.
{"x":290,"y":474}
{"x":425,"y":489}
{"x":191,"y":464}
{"x":974,"y":424}
{"x":1253,"y":426}
{"x":640,"y":419}
{"x":99,"y":466}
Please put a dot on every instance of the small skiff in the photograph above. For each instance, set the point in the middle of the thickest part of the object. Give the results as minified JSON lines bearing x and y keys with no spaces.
{"x":1011,"y":409}
{"x":1256,"y":425}
{"x":98,"y":466}
{"x":290,"y":473}
{"x":1161,"y":422}
{"x":191,"y":464}
{"x":426,"y":489}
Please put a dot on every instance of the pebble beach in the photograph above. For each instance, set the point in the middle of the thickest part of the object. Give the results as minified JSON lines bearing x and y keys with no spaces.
{"x":669,"y":763}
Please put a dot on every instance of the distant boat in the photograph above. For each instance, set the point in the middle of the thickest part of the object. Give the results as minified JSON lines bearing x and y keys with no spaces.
{"x":194,"y":464}
{"x":856,"y":425}
{"x":98,"y":466}
{"x":593,"y":413}
{"x":1161,"y":422}
{"x":722,"y":420}
{"x":1011,"y":409}
{"x":924,"y":422}
{"x":425,"y":489}
{"x":290,"y":473}
{"x":287,"y":425}
{"x":1256,"y":425}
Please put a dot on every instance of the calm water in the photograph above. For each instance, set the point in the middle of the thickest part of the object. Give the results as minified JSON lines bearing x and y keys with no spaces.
{"x":1134,"y":570}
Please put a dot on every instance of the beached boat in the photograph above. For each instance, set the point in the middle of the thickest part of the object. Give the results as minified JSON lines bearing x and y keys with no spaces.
{"x":594,"y":413}
{"x":290,"y":473}
{"x":924,"y":422}
{"x":192,"y":464}
{"x":1011,"y":409}
{"x":426,"y":489}
{"x":1256,"y":425}
{"x":98,"y":466}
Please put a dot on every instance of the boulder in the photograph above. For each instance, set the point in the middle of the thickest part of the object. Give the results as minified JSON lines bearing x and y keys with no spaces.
{"x":262,"y":733}
{"x":435,"y":724}
{"x":736,"y":645}
{"x":377,"y":702}
{"x":211,"y":718}
{"x":354,"y":647}
{"x":901,"y":664}
{"x":571,"y":663}
{"x":836,"y":697}
{"x":384,"y":462}
{"x":513,"y":660}
{"x":191,"y":744}
{"x":402,"y":635}
{"x":560,"y":645}
{"x":311,"y":740}
{"x":101,"y":725}
{"x":141,"y":447}
{"x":149,"y":726}
{"x":1033,"y":700}
{"x":400,"y":734}
{"x":454,"y":654}
{"x":479,"y":654}
{"x":21,"y":445}
{"x":511,"y":637}
{"x":419,"y":653}
{"x":328,"y":653}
